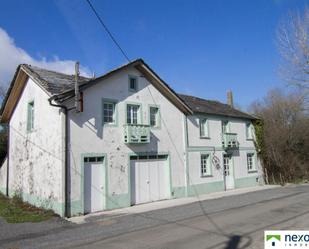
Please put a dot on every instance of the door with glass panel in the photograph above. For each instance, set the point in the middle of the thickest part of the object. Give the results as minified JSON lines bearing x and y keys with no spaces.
{"x":228,"y":172}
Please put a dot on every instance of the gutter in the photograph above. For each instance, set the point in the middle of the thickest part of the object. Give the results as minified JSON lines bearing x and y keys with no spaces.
{"x":66,"y":159}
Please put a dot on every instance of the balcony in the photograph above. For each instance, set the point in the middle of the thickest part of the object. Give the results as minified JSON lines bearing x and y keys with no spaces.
{"x":229,"y":141}
{"x":136,"y":134}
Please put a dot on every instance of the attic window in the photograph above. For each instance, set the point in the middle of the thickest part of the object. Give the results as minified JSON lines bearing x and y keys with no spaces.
{"x":132,"y":84}
{"x":30,"y":116}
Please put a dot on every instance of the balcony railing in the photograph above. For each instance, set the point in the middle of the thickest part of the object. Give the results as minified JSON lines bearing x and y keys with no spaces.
{"x":229,"y":141}
{"x":136,"y":134}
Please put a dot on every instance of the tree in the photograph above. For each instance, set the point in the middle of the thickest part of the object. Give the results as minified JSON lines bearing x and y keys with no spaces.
{"x":283,"y":135}
{"x":293,"y":44}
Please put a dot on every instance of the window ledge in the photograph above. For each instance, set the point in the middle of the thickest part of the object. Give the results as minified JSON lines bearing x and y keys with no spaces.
{"x":249,"y":139}
{"x":206,"y":137}
{"x":110,"y":125}
{"x":206,"y":176}
{"x":252,"y":171}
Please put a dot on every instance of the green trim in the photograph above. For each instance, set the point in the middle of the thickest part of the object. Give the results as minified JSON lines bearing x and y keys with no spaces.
{"x":56,"y":206}
{"x":115,"y":103}
{"x":228,"y":125}
{"x":129,"y":85}
{"x":158,"y":117}
{"x":206,"y":135}
{"x":30,"y":116}
{"x":212,"y":148}
{"x":233,"y":169}
{"x":82,"y":179}
{"x":118,"y":201}
{"x":179,"y":192}
{"x":250,"y":128}
{"x":219,"y":117}
{"x":246,"y":182}
{"x":206,"y":188}
{"x":209,"y":164}
{"x":3,"y":190}
{"x":148,"y":154}
{"x":254,"y":161}
{"x":140,"y":114}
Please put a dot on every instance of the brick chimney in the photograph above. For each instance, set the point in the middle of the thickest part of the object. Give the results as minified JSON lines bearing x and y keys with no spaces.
{"x":230,"y":101}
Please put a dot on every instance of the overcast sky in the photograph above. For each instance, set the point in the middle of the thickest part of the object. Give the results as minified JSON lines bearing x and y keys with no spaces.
{"x":200,"y":48}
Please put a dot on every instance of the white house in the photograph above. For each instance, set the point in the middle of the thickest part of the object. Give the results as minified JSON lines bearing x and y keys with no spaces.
{"x":118,"y":140}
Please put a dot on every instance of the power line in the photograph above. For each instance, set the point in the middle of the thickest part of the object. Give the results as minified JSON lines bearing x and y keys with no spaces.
{"x":107,"y":30}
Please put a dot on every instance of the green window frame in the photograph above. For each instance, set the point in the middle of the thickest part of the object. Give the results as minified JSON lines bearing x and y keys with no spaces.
{"x":251,"y":162}
{"x":249,"y":131}
{"x":132,"y":83}
{"x":154,"y":116}
{"x":204,"y":128}
{"x":133,"y":114}
{"x":205,"y":165}
{"x":30,"y":116}
{"x":109,"y":112}
{"x":225,"y":126}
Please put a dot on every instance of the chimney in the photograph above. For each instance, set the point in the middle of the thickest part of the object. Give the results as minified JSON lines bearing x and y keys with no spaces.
{"x":230,"y":101}
{"x":77,"y":94}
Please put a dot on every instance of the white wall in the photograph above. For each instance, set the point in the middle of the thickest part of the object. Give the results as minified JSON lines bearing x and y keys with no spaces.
{"x":36,"y":157}
{"x":213,"y":145}
{"x":3,"y":174}
{"x":87,"y":135}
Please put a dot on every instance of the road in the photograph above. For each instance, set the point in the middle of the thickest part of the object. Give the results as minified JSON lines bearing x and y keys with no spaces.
{"x":230,"y":222}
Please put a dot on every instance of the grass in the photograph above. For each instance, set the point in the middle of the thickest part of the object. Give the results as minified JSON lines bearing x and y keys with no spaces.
{"x":14,"y":210}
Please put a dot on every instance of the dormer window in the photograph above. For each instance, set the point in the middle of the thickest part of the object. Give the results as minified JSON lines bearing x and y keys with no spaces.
{"x":132,"y":83}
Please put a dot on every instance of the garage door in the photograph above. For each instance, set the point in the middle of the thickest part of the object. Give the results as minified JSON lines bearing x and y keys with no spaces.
{"x":150,"y":179}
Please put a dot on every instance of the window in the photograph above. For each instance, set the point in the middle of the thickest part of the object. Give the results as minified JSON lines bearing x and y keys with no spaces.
{"x":249,"y":131}
{"x":204,"y":128}
{"x":250,"y":162}
{"x":30,"y":117}
{"x":205,"y":165}
{"x":132,"y":113}
{"x":109,"y":112}
{"x":93,"y":159}
{"x":154,"y":116}
{"x":225,"y":126}
{"x":132,"y":83}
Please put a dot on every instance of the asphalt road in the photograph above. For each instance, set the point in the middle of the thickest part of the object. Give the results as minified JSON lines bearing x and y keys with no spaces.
{"x":229,"y":222}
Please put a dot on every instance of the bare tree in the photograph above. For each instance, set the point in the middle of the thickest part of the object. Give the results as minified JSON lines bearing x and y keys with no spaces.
{"x":284,"y":140}
{"x":293,"y":45}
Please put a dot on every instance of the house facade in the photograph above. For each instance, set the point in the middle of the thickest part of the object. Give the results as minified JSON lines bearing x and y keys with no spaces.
{"x":126,"y":139}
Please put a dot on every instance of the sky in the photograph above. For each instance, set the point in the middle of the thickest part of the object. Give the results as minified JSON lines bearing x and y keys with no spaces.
{"x":199,"y":47}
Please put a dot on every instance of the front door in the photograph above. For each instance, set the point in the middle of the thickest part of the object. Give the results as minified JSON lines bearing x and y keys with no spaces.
{"x":94,"y":179}
{"x":228,"y":172}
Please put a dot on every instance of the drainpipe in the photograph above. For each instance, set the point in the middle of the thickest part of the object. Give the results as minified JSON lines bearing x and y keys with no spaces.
{"x":8,"y":159}
{"x":66,"y":158}
{"x":187,"y":179}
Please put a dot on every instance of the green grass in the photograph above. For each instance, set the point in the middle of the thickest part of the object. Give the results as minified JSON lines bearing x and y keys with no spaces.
{"x":14,"y":210}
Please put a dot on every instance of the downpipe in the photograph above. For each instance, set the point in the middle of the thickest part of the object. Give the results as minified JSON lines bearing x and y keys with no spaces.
{"x":66,"y":159}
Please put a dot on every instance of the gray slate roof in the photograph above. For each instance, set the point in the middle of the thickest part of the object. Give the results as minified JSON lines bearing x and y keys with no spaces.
{"x":58,"y":83}
{"x":203,"y":106}
{"x":54,"y":82}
